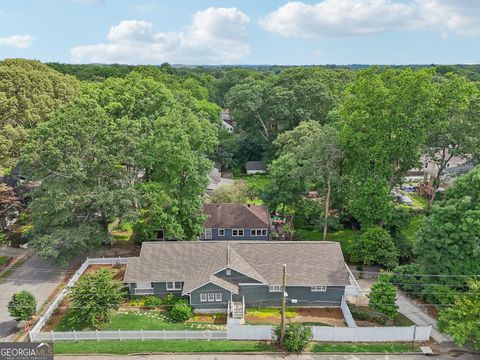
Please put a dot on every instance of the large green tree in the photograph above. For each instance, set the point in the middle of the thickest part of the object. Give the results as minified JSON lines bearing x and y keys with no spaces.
{"x":385,"y":113}
{"x":29,"y":93}
{"x":455,"y":124}
{"x":78,"y":159}
{"x":448,"y":241}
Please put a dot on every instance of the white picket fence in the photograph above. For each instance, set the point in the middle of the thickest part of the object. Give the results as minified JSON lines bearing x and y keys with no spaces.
{"x":35,"y":330}
{"x":130,"y":335}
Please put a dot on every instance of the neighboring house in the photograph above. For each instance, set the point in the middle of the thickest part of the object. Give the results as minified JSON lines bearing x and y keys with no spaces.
{"x":214,"y":274}
{"x":216,"y":178}
{"x":227,"y":121}
{"x":255,"y":167}
{"x":236,"y":222}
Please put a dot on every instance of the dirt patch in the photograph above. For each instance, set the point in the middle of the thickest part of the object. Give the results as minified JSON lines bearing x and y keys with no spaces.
{"x":57,"y":315}
{"x":209,"y":319}
{"x":118,"y":271}
{"x":328,"y":316}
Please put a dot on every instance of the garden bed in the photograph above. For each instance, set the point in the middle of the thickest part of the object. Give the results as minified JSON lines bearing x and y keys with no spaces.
{"x":307,"y":316}
{"x":365,"y":316}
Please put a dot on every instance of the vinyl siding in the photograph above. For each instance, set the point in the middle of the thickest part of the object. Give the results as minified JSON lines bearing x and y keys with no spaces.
{"x":259,"y":296}
{"x":159,"y":289}
{"x":209,"y":288}
{"x":247,"y":235}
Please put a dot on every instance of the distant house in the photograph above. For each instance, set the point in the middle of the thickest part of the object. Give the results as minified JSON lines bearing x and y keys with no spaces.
{"x":216,"y":178}
{"x":216,"y":276}
{"x":236,"y":222}
{"x":227,"y":121}
{"x":255,"y":167}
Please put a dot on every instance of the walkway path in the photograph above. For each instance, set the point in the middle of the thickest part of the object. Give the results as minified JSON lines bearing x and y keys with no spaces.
{"x":40,"y":277}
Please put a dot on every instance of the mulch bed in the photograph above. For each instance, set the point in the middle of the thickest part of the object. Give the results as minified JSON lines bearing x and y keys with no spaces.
{"x":329,"y":316}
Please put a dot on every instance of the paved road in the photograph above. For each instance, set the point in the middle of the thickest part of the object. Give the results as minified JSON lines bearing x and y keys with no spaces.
{"x":264,"y":357}
{"x":36,"y":275}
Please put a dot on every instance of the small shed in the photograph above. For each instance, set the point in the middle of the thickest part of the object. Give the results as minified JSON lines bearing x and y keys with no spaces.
{"x":255,"y":167}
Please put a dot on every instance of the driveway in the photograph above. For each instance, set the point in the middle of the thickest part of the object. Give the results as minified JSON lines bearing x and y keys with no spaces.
{"x":36,"y":275}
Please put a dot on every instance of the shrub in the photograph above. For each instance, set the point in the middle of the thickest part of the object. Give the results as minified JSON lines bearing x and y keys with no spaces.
{"x":22,"y":306}
{"x":170,"y":300}
{"x":296,"y":337}
{"x":375,"y":246}
{"x":180,"y":312}
{"x":152,"y":301}
{"x":410,"y":284}
{"x":383,"y":296}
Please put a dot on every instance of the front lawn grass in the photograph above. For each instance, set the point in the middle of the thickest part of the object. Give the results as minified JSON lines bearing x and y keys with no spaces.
{"x":264,"y":313}
{"x":359,"y":348}
{"x":133,"y":346}
{"x":257,"y":182}
{"x":138,"y":320}
{"x":413,"y":226}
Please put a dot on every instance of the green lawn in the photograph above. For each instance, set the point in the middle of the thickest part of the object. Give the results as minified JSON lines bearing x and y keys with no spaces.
{"x":412,"y":228}
{"x":145,"y":320}
{"x":3,"y":260}
{"x":419,"y":202}
{"x":133,"y":346}
{"x":258,"y":182}
{"x":345,"y":237}
{"x":263,"y":313}
{"x":358,"y":348}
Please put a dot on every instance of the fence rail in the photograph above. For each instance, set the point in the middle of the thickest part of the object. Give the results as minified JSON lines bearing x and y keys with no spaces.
{"x":371,"y":334}
{"x":59,"y":298}
{"x":347,"y":315}
{"x":130,"y":335}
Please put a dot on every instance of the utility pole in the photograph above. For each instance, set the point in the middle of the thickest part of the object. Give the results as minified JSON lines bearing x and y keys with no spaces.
{"x":284,"y":290}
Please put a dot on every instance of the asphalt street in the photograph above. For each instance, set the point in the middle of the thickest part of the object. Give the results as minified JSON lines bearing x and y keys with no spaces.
{"x":36,"y":275}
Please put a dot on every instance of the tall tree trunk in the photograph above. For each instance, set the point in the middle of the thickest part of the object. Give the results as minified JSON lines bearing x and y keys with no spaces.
{"x":442,"y":164}
{"x":327,"y":207}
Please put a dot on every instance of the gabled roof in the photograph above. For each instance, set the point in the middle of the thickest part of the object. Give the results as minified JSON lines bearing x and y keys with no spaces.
{"x":255,"y":165}
{"x":195,"y":263}
{"x":236,"y":216}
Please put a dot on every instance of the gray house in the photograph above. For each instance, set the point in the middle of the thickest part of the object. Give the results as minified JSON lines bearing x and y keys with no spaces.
{"x":255,"y":167}
{"x":221,"y":275}
{"x":236,"y":222}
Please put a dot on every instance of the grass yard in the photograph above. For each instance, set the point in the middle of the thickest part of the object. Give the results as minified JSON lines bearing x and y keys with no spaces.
{"x":3,"y":260}
{"x":419,"y":202}
{"x":132,"y":346}
{"x":345,"y":237}
{"x":359,"y":348}
{"x":257,"y":182}
{"x":412,"y":228}
{"x":141,"y":319}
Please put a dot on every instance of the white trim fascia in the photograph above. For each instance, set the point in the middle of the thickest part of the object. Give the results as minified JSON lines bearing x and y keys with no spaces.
{"x":232,"y":268}
{"x":208,"y":282}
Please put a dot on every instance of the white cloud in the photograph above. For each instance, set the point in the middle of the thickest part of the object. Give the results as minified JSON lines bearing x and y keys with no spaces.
{"x":215,"y":36}
{"x":18,"y":41}
{"x":363,"y":17}
{"x":146,"y":7}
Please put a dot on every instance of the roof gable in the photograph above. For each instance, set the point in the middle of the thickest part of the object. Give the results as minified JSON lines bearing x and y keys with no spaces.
{"x":236,"y":216}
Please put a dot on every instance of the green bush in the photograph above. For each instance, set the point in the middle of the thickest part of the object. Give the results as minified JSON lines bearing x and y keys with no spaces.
{"x":180,"y":312}
{"x":152,"y":301}
{"x":368,"y":315}
{"x":170,"y":300}
{"x":22,"y":306}
{"x":296,"y":337}
{"x":375,"y":246}
{"x":383,"y":296}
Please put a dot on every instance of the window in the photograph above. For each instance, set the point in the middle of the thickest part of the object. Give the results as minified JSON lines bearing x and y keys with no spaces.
{"x":228,"y":272}
{"x":208,"y":233}
{"x":211,"y":296}
{"x":144,"y":285}
{"x":258,"y":232}
{"x":319,"y":288}
{"x":264,"y":232}
{"x":221,"y":232}
{"x":218,"y":296}
{"x":275,"y":288}
{"x":174,"y":285}
{"x":203,"y":297}
{"x":237,"y":232}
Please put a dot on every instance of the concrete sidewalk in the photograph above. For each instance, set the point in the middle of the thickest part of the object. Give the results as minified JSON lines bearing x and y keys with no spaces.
{"x":414,"y":313}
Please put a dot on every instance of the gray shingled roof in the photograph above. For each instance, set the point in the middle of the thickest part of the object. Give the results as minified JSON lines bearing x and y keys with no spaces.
{"x":196,"y":262}
{"x":236,"y":216}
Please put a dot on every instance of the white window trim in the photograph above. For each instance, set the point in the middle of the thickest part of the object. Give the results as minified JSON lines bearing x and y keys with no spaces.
{"x":319,"y":288}
{"x":223,"y":230}
{"x":211,"y":297}
{"x":203,"y":297}
{"x":174,"y":285}
{"x":274,"y":288}
{"x":266,"y":232}
{"x":218,"y":296}
{"x":208,"y":233}
{"x":143,"y":286}
{"x":238,"y":232}
{"x":228,"y":272}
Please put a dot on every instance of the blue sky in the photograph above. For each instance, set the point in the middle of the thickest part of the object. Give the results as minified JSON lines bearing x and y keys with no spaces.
{"x":242,"y":32}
